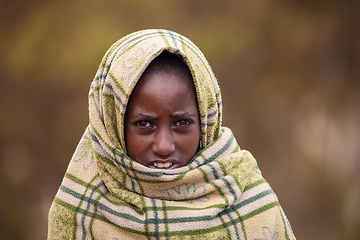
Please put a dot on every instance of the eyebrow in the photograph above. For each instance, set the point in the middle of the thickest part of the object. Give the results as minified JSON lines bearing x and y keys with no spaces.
{"x":185,"y":114}
{"x":149,"y":117}
{"x":142,"y":116}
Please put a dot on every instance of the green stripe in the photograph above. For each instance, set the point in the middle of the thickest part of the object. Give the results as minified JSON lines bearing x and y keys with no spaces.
{"x":206,"y":218}
{"x":180,"y":208}
{"x":92,"y":220}
{"x":254,"y":198}
{"x":96,"y":216}
{"x":234,"y":223}
{"x":209,"y":124}
{"x":250,"y":200}
{"x":204,"y":175}
{"x":155,"y":219}
{"x":286,"y":224}
{"x":100,"y":206}
{"x":84,"y":184}
{"x":260,"y":210}
{"x":221,"y":193}
{"x":164,"y":209}
{"x":236,"y":149}
{"x":222,"y":168}
{"x":206,"y":149}
{"x":172,"y":38}
{"x":222,"y":150}
{"x":212,"y":114}
{"x":116,"y":82}
{"x":182,"y":40}
{"x":80,"y":181}
{"x":254,"y":184}
{"x":128,"y":175}
{"x":136,"y":178}
{"x":241,"y":224}
{"x":88,"y":207}
{"x":162,"y":34}
{"x":213,"y":170}
{"x":146,"y":226}
{"x":194,"y":232}
{"x":225,"y":226}
{"x":243,"y":229}
{"x":104,"y":160}
{"x":228,"y":185}
{"x":114,"y":95}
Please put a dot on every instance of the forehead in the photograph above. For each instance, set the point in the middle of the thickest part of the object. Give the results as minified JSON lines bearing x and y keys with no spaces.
{"x":163,"y":81}
{"x":159,"y":88}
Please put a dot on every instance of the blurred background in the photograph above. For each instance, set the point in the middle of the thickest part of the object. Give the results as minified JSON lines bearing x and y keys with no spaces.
{"x":290,"y":78}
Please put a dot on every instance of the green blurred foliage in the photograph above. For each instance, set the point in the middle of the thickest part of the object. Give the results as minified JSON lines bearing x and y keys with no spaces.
{"x":290,"y":79}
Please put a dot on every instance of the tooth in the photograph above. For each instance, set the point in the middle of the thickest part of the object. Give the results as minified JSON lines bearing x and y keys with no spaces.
{"x":159,"y":165}
{"x":162,"y":165}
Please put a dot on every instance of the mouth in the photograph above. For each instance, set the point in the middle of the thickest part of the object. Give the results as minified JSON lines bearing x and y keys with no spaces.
{"x":161,"y":165}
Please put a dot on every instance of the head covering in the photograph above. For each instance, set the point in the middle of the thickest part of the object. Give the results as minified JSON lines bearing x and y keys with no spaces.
{"x":107,"y":195}
{"x":123,"y":65}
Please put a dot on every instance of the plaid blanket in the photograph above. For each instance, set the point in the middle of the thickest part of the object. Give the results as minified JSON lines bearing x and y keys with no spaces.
{"x":220,"y":194}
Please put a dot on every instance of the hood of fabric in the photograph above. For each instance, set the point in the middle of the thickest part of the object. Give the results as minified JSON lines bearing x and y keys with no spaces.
{"x":123,"y":65}
{"x":119,"y":72}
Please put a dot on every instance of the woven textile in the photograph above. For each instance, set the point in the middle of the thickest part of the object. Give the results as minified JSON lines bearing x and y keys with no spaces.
{"x":220,"y":194}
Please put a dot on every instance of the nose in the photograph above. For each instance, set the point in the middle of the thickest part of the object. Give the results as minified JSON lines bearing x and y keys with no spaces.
{"x":163,"y":144}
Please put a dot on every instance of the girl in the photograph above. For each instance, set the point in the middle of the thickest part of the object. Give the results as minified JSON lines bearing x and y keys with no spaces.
{"x":155,"y":162}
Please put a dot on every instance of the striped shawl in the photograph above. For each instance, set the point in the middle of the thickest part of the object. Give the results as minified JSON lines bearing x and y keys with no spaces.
{"x":220,"y":194}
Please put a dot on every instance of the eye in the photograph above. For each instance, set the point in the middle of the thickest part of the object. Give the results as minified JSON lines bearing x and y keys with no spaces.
{"x":182,"y":122}
{"x":143,"y":124}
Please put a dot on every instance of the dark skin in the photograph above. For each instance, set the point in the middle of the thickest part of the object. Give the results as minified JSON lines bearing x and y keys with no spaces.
{"x":162,"y":124}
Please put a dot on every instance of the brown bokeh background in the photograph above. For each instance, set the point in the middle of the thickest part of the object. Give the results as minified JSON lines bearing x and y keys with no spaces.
{"x":290,"y":78}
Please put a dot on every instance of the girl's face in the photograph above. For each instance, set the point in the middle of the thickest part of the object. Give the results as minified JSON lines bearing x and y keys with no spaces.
{"x":162,"y":124}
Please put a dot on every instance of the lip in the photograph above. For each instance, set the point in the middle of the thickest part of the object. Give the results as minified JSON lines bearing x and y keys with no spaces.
{"x":174,"y":164}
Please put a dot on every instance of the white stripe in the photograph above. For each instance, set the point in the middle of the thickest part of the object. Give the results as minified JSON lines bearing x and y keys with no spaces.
{"x":257,"y":204}
{"x":198,"y":225}
{"x":119,"y":220}
{"x":79,"y":230}
{"x":218,"y":145}
{"x":254,"y":191}
{"x":66,"y":197}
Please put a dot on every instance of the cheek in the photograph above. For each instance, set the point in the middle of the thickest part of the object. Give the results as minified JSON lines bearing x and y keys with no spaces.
{"x":136,"y":152}
{"x":190,"y":144}
{"x":133,"y":145}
